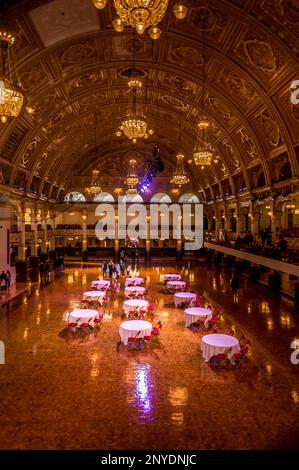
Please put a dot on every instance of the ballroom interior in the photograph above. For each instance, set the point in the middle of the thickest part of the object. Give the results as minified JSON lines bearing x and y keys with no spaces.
{"x":110,"y":340}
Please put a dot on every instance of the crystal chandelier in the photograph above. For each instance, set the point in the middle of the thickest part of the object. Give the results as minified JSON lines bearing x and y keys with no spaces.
{"x":11,"y":94}
{"x":180,"y":176}
{"x":142,"y":14}
{"x":132,"y":178}
{"x":95,"y":187}
{"x":134,"y":125}
{"x":202,"y":155}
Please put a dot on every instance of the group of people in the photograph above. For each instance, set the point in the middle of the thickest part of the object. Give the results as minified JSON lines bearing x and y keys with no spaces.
{"x":113,"y":270}
{"x":5,"y":279}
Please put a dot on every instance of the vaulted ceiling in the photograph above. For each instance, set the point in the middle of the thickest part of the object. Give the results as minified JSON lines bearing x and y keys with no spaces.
{"x":69,"y":59}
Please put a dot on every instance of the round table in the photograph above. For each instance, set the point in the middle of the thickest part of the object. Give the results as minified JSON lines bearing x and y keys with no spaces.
{"x":136,"y":281}
{"x":83,"y":315}
{"x":94,"y":294}
{"x":181,"y":297}
{"x":134,"y":290}
{"x":218,"y":344}
{"x":176,"y":285}
{"x":193,"y":314}
{"x":134,"y":329}
{"x":171,"y":277}
{"x":132,"y":304}
{"x":99,"y":284}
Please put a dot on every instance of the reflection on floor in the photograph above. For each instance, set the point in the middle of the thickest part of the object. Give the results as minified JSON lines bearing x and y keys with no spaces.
{"x":85,"y":394}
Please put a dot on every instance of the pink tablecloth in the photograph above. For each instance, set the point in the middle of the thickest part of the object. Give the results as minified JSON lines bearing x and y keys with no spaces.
{"x":218,"y":344}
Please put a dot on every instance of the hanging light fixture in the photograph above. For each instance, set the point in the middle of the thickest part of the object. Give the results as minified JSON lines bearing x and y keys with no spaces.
{"x":134,"y":125}
{"x":132,"y":178}
{"x":180,"y":10}
{"x":142,"y":14}
{"x":100,"y":4}
{"x":11,"y":94}
{"x":95,"y":186}
{"x":203,"y":155}
{"x":180,"y":176}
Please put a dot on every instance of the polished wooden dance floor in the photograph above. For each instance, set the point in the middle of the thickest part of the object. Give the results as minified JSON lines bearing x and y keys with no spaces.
{"x":58,"y":394}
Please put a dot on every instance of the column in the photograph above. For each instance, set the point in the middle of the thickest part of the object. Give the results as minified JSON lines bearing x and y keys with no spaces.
{"x":84,"y":236}
{"x":52,"y":238}
{"x":45,"y":233}
{"x":239,"y":224}
{"x":116,"y":240}
{"x":276,"y":225}
{"x":218,"y":231}
{"x":255,"y":225}
{"x":5,"y":241}
{"x":22,"y":244}
{"x":34,"y":242}
{"x":148,"y":235}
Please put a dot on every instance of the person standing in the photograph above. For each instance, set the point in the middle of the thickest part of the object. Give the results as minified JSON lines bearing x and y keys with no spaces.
{"x":113,"y":272}
{"x":122,"y":267}
{"x":110,"y":268}
{"x":235,"y":284}
{"x":105,"y":268}
{"x":8,"y":279}
{"x":117,"y":268}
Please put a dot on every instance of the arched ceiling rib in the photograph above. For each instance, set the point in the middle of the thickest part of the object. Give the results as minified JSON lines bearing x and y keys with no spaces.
{"x":249,"y":70}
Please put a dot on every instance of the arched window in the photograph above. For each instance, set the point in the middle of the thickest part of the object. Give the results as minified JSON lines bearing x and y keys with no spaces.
{"x":188,"y":198}
{"x":131,"y":198}
{"x":161,"y":198}
{"x":74,"y":196}
{"x":103,"y":197}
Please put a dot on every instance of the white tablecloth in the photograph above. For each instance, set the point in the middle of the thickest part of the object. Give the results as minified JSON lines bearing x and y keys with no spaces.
{"x":218,"y":344}
{"x":193,"y":314}
{"x":134,"y":328}
{"x":176,"y":285}
{"x":136,"y":281}
{"x":94,"y":294}
{"x":83,"y":315}
{"x":171,"y":277}
{"x":132,"y":304}
{"x":101,"y":283}
{"x":134,"y":290}
{"x":180,"y":297}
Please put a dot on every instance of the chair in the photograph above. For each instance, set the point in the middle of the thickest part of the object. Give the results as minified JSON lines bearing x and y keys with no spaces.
{"x":239,"y":358}
{"x":232,"y":333}
{"x":221,"y":359}
{"x":73,"y":326}
{"x":131,"y":343}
